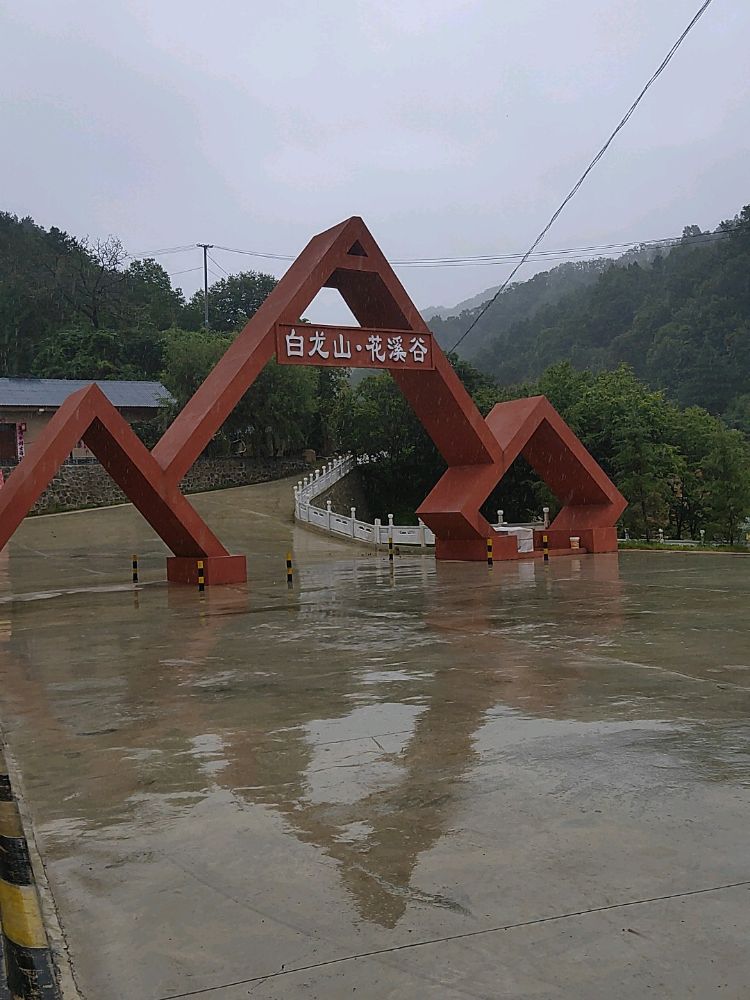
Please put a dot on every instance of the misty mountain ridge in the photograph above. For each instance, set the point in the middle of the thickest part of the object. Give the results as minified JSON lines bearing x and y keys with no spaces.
{"x":443,"y":312}
{"x":679,"y":315}
{"x":522,"y":299}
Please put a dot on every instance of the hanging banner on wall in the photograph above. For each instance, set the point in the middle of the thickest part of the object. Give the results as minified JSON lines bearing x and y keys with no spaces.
{"x":352,"y":347}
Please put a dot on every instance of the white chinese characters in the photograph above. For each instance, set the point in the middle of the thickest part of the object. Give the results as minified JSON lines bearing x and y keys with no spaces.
{"x":365,"y":348}
{"x":341,"y":348}
{"x":317,"y":343}
{"x":295,"y":344}
{"x":396,"y":350}
{"x":375,"y":347}
{"x":418,"y":349}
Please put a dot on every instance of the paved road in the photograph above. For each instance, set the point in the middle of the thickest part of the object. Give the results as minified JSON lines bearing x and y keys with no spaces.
{"x":530,"y":782}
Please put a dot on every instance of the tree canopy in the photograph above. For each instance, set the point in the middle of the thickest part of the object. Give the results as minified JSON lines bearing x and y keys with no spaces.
{"x":682,"y":470}
{"x":680,"y":316}
{"x":640,"y":358}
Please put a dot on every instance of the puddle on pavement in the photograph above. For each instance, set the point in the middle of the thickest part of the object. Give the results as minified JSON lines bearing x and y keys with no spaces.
{"x":373,"y":716}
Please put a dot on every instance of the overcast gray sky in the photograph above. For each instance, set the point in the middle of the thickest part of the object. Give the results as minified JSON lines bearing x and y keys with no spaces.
{"x":453,"y":127}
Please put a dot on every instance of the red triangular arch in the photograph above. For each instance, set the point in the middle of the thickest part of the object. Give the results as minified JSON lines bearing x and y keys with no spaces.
{"x":477,"y":452}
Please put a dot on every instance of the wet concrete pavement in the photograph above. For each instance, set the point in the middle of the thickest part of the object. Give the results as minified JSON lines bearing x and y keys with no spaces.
{"x":451,"y":782}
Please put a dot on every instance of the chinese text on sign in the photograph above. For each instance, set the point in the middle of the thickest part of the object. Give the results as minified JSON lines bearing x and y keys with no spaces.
{"x":352,"y":347}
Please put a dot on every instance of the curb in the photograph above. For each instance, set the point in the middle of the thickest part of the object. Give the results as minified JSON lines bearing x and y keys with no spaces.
{"x":26,"y":966}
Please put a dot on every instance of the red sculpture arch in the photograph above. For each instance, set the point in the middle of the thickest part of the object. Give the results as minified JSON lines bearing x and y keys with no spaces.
{"x":478,"y":452}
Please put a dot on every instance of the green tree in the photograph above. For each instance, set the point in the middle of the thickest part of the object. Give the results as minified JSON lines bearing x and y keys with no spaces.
{"x":81,"y":352}
{"x":331,"y":386}
{"x":678,"y":314}
{"x":728,"y":472}
{"x":232,"y":302}
{"x":276,"y":416}
{"x":30,"y":302}
{"x":151,"y":295}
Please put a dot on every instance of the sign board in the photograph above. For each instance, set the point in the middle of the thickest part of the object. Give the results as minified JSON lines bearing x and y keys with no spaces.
{"x":352,"y":347}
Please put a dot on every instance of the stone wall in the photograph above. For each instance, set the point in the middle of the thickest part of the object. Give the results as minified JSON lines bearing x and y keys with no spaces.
{"x":345,"y":494}
{"x":76,"y":487}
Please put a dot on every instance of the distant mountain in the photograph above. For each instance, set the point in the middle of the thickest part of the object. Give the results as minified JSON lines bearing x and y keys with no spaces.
{"x":443,"y":312}
{"x":679,"y":315}
{"x":519,"y":301}
{"x":522,"y":300}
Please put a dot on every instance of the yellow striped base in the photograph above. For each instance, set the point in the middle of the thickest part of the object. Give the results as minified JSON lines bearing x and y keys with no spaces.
{"x":20,"y":915}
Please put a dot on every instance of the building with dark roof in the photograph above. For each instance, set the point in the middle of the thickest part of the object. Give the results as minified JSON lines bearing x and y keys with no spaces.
{"x":27,"y":406}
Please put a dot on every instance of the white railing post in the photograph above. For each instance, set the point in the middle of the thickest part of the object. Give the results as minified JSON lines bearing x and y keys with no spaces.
{"x":545,"y":511}
{"x":500,"y":520}
{"x":317,"y":481}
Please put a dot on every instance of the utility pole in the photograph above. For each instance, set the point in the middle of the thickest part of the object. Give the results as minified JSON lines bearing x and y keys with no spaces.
{"x":206,"y":248}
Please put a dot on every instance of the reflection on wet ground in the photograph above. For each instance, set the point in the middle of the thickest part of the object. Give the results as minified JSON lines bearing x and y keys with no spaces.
{"x":233,"y":787}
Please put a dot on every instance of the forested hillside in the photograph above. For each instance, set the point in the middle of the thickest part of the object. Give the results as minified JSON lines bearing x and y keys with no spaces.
{"x":681,"y":470}
{"x":518,"y":302}
{"x":74,"y":309}
{"x":682,"y":320}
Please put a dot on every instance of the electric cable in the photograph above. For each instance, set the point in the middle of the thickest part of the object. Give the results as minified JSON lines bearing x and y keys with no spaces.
{"x":220,"y":266}
{"x":623,"y":121}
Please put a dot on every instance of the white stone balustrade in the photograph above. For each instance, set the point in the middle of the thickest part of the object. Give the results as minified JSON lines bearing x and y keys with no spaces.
{"x":306,"y":512}
{"x":312,"y":486}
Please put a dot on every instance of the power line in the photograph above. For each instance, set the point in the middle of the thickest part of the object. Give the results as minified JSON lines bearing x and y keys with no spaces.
{"x":258,"y":253}
{"x":173,"y":274}
{"x":562,"y":253}
{"x":471,"y":260}
{"x":220,"y":266}
{"x":158,"y":253}
{"x":623,"y":121}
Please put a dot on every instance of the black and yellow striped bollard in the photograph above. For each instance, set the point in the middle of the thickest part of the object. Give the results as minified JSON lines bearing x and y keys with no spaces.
{"x":490,"y":558}
{"x":25,"y":957}
{"x":201,"y":577}
{"x":289,"y":571}
{"x":135,"y":568}
{"x":545,"y":547}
